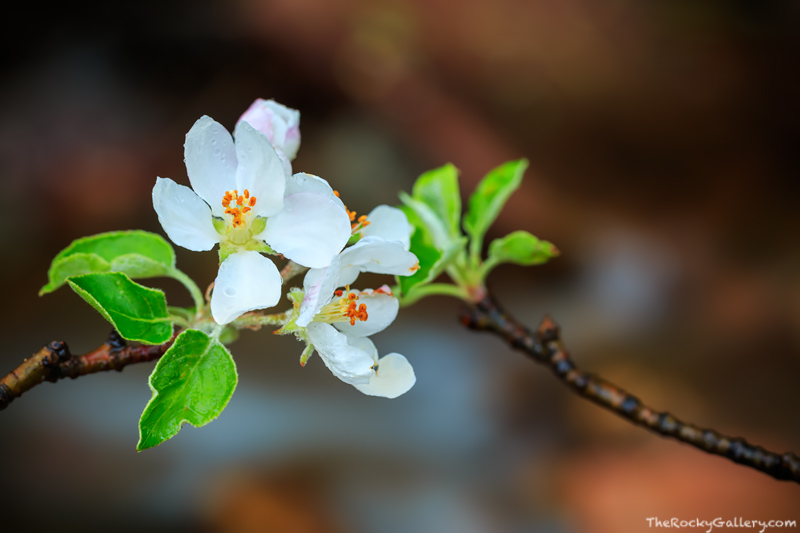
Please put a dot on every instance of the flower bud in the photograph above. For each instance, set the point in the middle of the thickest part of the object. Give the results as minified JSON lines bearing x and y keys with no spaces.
{"x":279,"y":123}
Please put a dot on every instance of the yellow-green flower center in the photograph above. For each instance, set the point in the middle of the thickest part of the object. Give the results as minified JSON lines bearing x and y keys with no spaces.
{"x":239,"y":226}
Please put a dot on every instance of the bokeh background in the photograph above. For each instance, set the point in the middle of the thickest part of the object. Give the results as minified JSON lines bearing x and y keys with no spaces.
{"x":664,"y":165}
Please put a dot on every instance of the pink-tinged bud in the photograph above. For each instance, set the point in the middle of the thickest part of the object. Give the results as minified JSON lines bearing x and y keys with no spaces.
{"x":279,"y":123}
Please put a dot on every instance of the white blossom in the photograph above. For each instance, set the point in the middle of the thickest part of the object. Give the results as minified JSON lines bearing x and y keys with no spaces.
{"x":370,"y":254}
{"x":339,"y":333}
{"x":241,"y":199}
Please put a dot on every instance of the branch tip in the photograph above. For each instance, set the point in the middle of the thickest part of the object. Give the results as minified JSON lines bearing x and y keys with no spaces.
{"x":546,"y":347}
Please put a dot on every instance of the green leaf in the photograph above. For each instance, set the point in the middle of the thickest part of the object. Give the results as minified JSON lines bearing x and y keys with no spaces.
{"x":428,"y":257}
{"x":192,"y":383}
{"x":138,"y":254}
{"x":432,"y":259}
{"x":138,"y":313}
{"x":426,"y":218}
{"x":489,"y":198}
{"x":521,"y":248}
{"x":438,"y":189}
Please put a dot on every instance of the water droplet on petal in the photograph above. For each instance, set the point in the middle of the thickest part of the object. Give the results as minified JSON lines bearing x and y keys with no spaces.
{"x":230,"y":292}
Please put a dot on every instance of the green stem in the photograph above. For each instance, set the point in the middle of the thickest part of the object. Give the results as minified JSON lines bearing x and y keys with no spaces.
{"x":218,"y":328}
{"x":486,"y":267}
{"x":306,"y":355}
{"x":255,"y":320}
{"x":445,"y":289}
{"x":180,"y":316}
{"x":458,"y":270}
{"x":191,"y":286}
{"x":467,"y":276}
{"x":475,"y":246}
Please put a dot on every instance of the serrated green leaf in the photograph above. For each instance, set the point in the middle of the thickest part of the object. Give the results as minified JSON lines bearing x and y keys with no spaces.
{"x":73,"y":265}
{"x":138,"y":254}
{"x":191,"y":383}
{"x":521,"y":248}
{"x":139,"y":266}
{"x":489,"y":198}
{"x":138,"y":313}
{"x":438,"y":189}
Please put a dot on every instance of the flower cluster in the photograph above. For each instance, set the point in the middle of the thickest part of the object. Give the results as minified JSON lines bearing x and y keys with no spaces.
{"x":337,"y":322}
{"x":245,"y":198}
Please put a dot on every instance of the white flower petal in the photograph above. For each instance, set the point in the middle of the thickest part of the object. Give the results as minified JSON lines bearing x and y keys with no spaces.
{"x":373,"y":254}
{"x":310,"y":230}
{"x":365,"y":345}
{"x":184,"y":216}
{"x":259,"y":170}
{"x":394,"y":376}
{"x":246,"y":281}
{"x":388,"y":223}
{"x":287,"y":165}
{"x":348,"y":363}
{"x":210,"y":161}
{"x":309,"y":183}
{"x":318,"y":287}
{"x":381,"y":311}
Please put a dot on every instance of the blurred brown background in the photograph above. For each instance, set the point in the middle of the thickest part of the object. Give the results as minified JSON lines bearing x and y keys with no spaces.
{"x":664,"y":164}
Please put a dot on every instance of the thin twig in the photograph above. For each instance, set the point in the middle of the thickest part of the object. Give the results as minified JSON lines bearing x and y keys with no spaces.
{"x":291,"y":270}
{"x":546,"y":347}
{"x":54,"y":362}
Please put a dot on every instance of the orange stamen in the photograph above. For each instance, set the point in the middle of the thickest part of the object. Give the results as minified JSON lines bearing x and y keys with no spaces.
{"x":344,"y":309}
{"x":236,"y":213}
{"x":355,"y":226}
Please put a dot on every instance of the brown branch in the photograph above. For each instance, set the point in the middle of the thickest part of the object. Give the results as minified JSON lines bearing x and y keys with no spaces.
{"x":291,"y":270}
{"x":54,"y":362}
{"x":546,"y":347}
